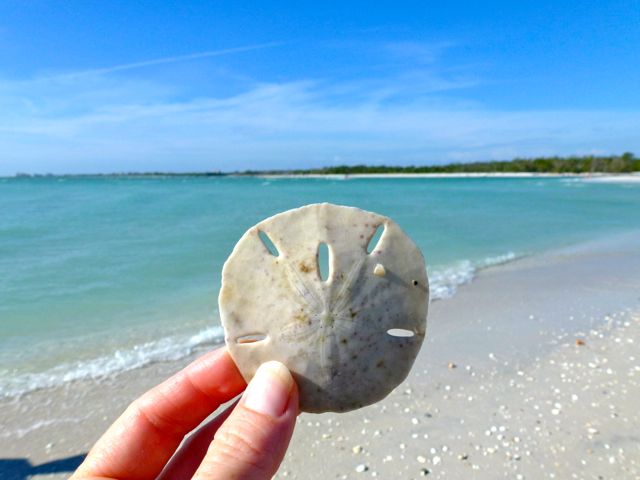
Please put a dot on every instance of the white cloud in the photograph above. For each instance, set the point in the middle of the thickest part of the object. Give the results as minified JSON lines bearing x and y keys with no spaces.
{"x":166,"y":60}
{"x":90,"y":123}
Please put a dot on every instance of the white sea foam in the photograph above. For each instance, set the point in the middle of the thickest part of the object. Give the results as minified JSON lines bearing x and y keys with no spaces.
{"x":443,"y":284}
{"x":22,"y":431}
{"x":604,"y":178}
{"x":164,"y":349}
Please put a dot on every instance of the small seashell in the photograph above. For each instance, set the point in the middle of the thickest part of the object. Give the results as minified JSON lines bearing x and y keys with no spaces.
{"x":379,"y":270}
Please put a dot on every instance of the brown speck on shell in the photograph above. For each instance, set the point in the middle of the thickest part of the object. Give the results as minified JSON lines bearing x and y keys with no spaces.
{"x":300,"y":317}
{"x":304,"y":267}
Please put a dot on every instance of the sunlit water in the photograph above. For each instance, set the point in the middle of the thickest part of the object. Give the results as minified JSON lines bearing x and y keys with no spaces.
{"x":100,"y":275}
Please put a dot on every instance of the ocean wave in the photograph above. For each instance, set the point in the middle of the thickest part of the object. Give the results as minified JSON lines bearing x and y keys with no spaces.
{"x":37,"y":425}
{"x":604,"y":178}
{"x":443,"y":284}
{"x":162,"y":350}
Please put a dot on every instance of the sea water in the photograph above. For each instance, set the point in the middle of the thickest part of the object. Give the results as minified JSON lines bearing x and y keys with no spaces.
{"x":99,"y":275}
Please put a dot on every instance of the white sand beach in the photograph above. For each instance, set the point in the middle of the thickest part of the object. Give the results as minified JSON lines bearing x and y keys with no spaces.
{"x":531,"y":371}
{"x":622,"y":178}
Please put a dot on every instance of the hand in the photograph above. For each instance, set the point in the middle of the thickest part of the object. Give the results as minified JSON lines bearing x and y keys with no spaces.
{"x":247,"y":441}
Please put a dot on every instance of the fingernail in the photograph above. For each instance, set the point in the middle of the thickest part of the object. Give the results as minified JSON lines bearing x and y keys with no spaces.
{"x":269,"y":389}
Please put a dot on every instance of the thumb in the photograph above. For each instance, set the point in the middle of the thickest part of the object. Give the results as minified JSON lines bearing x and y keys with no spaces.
{"x":252,"y":442}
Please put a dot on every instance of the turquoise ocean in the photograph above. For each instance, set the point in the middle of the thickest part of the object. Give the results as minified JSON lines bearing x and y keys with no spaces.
{"x":99,"y":275}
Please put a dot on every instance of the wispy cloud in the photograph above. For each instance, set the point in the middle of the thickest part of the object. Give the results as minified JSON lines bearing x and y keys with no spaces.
{"x":166,"y":60}
{"x":101,"y":122}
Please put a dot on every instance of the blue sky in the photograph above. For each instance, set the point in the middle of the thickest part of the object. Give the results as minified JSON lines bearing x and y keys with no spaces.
{"x":92,"y":86}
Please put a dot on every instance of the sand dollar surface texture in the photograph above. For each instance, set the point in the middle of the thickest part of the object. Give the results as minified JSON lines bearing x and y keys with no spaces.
{"x":349,"y":333}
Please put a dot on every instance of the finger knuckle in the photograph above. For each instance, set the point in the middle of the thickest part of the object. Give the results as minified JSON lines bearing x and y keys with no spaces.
{"x":243,"y":444}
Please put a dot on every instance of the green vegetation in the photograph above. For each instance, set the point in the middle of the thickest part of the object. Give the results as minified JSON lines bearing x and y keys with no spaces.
{"x":624,"y":163}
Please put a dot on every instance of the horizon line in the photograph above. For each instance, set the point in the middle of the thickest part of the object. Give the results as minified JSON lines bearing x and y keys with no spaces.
{"x":317,"y":170}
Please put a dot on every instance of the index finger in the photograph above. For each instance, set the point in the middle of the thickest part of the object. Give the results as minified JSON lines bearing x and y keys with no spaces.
{"x":142,"y":440}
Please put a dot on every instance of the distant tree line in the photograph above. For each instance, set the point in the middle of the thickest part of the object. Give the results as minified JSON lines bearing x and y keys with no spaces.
{"x":624,"y":163}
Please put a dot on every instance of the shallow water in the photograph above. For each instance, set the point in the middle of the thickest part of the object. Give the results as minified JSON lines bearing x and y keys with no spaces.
{"x":100,"y":275}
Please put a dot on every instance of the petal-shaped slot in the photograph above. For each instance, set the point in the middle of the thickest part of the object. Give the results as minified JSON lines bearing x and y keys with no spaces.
{"x":323,"y":259}
{"x":268,"y":244}
{"x":251,"y":338}
{"x":375,"y":239}
{"x":400,"y":332}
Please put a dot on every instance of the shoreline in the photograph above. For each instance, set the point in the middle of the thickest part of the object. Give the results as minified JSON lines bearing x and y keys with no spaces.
{"x":444,"y":283}
{"x":445,"y":280}
{"x":501,"y":329}
{"x":631,"y":177}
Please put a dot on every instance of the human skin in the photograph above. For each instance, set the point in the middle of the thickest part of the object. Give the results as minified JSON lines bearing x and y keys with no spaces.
{"x":247,"y":441}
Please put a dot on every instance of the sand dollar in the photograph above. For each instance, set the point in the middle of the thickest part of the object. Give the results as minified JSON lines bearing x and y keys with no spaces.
{"x":349,"y":338}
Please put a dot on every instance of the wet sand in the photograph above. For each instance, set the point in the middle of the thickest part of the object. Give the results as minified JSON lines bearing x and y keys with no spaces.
{"x":531,"y":371}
